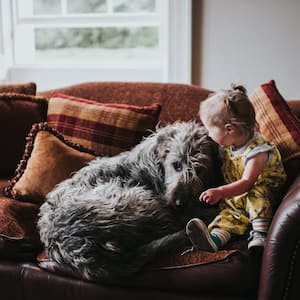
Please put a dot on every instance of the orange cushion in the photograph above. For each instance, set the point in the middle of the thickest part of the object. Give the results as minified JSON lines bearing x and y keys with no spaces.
{"x":107,"y":129}
{"x":48,"y":159}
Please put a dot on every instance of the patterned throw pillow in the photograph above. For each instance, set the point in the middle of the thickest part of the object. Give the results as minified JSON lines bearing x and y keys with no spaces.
{"x":18,"y":112}
{"x":107,"y":129}
{"x":277,"y":122}
{"x":48,"y":159}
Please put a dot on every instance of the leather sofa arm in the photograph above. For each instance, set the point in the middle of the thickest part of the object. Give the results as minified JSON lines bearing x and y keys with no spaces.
{"x":280,"y":273}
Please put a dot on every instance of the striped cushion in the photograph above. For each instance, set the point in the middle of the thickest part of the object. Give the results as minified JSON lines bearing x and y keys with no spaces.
{"x":107,"y":129}
{"x":276,"y":121}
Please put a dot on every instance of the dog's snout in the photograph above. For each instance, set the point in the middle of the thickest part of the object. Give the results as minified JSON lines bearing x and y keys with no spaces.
{"x":179,"y":205}
{"x":180,"y":195}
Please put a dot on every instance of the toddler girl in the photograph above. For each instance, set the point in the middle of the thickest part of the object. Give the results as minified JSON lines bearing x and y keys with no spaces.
{"x":252,"y":170}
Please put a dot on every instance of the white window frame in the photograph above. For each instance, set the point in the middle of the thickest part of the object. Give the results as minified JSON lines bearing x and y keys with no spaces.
{"x":6,"y":57}
{"x":175,"y":45}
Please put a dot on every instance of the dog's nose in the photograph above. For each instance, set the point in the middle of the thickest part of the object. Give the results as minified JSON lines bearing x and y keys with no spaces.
{"x":178,"y":203}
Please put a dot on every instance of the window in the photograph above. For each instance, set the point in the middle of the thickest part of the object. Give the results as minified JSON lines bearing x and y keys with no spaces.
{"x":60,"y":42}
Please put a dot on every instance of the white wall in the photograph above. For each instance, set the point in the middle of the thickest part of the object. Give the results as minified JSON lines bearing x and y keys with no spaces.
{"x":251,"y":42}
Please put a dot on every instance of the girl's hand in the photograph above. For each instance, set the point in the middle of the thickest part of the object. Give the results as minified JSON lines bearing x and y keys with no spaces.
{"x":211,"y":196}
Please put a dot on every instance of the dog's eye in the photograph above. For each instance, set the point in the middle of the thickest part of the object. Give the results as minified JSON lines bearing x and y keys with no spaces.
{"x":177,"y":166}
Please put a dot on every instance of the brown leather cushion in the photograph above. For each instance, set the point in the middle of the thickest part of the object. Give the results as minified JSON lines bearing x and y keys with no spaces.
{"x":48,"y":159}
{"x":22,"y":88}
{"x":18,"y":112}
{"x":165,"y":262}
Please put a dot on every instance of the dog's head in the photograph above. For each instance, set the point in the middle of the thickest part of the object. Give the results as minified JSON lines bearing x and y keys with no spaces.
{"x":190,"y":163}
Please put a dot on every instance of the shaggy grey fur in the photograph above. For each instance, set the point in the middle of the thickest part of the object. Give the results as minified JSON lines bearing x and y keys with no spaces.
{"x":117,"y":212}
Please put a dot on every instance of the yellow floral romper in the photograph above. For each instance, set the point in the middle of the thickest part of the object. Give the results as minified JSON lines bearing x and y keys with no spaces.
{"x":237,"y":212}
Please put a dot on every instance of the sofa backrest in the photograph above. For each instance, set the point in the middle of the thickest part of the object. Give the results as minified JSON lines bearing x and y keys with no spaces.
{"x":179,"y":101}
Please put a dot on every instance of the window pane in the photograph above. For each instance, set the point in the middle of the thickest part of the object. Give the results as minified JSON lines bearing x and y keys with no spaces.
{"x":134,"y":5}
{"x":86,"y":6}
{"x":46,"y":7}
{"x":97,"y":45}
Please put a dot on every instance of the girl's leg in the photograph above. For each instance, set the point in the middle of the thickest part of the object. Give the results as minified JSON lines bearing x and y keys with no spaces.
{"x":204,"y":240}
{"x":260,"y":214}
{"x":219,"y":232}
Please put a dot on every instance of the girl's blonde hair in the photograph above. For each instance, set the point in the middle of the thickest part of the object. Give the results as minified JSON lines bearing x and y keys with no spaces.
{"x":230,"y":107}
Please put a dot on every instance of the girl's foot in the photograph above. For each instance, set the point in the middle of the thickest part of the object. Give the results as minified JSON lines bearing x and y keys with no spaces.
{"x":199,"y":235}
{"x":256,"y":240}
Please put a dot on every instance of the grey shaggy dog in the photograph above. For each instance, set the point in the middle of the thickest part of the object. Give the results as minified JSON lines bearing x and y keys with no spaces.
{"x":115,"y":214}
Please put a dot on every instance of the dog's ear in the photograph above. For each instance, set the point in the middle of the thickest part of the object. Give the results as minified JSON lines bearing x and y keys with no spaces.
{"x":165,"y":133}
{"x":163,"y":143}
{"x":199,"y":136}
{"x":162,"y":151}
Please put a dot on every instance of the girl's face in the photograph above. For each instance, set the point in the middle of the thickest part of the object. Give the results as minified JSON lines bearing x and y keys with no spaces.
{"x":220,"y":135}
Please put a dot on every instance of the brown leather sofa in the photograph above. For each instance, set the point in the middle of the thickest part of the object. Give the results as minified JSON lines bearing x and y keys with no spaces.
{"x":233,"y":273}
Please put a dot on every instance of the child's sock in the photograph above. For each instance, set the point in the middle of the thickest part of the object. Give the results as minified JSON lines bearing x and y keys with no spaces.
{"x":220,"y":237}
{"x":261,"y":225}
{"x":258,"y":234}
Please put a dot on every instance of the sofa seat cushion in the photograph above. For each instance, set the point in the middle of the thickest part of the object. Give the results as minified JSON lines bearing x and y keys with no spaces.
{"x":11,"y":281}
{"x":241,"y":269}
{"x":26,"y":281}
{"x":229,"y":271}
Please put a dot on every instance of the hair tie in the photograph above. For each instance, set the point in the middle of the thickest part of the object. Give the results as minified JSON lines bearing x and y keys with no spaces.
{"x":239,"y":88}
